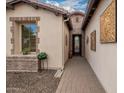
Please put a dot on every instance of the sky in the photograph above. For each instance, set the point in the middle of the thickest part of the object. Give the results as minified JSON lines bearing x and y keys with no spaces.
{"x":70,"y":5}
{"x":32,"y":26}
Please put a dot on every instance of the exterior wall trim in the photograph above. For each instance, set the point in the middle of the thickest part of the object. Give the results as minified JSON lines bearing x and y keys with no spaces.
{"x":14,"y":20}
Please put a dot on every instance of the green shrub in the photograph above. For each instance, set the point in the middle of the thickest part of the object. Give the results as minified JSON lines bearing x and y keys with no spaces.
{"x":26,"y":51}
{"x":42,"y":56}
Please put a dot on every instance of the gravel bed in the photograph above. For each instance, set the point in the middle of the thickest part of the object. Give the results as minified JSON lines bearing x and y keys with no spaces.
{"x":32,"y":82}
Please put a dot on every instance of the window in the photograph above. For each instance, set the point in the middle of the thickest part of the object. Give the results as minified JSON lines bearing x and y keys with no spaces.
{"x":29,"y":37}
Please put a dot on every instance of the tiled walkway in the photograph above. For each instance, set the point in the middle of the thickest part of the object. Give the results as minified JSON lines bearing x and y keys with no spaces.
{"x":78,"y":77}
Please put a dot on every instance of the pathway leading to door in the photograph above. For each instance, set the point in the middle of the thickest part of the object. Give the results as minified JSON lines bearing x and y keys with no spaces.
{"x":78,"y":77}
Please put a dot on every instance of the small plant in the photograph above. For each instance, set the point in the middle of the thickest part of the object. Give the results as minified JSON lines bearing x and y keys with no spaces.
{"x":42,"y":56}
{"x":26,"y":51}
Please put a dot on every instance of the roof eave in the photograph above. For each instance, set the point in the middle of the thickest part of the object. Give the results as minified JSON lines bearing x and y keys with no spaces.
{"x":77,"y":13}
{"x":68,"y":22}
{"x":36,"y":5}
{"x":11,"y":5}
{"x":91,"y":8}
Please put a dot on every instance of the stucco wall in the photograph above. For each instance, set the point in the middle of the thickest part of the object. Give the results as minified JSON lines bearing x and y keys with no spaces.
{"x":50,"y":32}
{"x":83,"y":43}
{"x":77,"y":30}
{"x":66,"y":43}
{"x":104,"y":60}
{"x":76,"y":25}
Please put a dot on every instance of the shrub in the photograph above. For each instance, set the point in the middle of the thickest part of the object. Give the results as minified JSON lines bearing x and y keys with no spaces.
{"x":26,"y":51}
{"x":42,"y":56}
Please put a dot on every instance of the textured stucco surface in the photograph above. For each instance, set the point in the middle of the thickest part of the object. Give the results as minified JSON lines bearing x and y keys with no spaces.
{"x":77,"y":31}
{"x":50,"y":34}
{"x":104,"y":60}
{"x":66,"y":43}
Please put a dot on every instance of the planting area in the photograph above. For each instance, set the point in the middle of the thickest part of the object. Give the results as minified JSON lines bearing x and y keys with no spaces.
{"x":32,"y":82}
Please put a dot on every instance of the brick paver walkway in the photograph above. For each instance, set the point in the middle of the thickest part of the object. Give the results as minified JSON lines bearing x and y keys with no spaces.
{"x":78,"y":77}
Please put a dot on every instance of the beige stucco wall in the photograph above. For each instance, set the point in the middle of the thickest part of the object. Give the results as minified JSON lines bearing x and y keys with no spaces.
{"x":104,"y":60}
{"x":77,"y":25}
{"x":50,"y":32}
{"x":83,"y":43}
{"x":77,"y":30}
{"x":66,"y":47}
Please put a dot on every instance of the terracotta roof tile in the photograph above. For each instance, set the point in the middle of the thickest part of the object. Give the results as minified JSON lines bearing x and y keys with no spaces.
{"x":38,"y":4}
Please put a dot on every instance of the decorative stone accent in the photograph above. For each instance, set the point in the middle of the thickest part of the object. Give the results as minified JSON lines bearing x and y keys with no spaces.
{"x":12,"y":40}
{"x":37,"y":40}
{"x":15,"y":20}
{"x":12,"y":29}
{"x":21,"y":64}
{"x":25,"y":19}
{"x":12,"y":51}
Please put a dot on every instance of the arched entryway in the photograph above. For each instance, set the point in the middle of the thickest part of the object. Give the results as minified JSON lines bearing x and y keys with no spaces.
{"x":77,"y":36}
